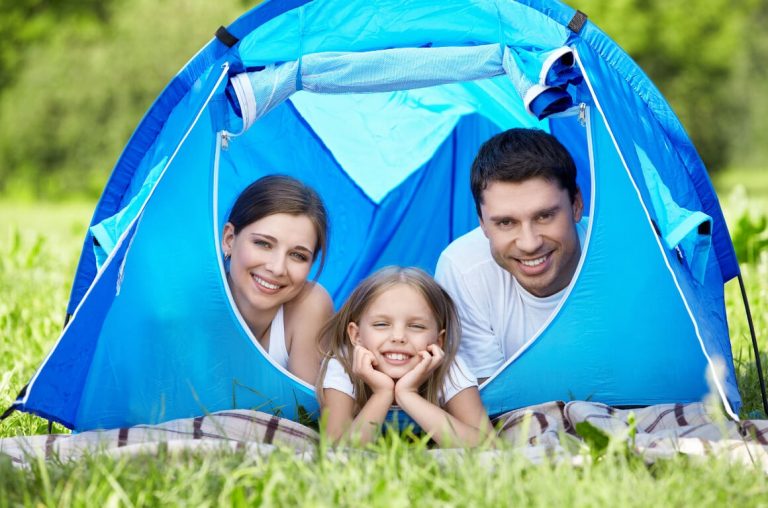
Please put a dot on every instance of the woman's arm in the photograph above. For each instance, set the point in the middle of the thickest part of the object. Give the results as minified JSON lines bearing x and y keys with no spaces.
{"x":305,"y":317}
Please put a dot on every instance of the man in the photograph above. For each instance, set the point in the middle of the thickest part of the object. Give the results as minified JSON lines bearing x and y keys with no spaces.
{"x":508,"y":276}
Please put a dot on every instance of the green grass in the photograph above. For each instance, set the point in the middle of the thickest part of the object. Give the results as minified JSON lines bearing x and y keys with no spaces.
{"x":393,"y":476}
{"x":39,"y":248}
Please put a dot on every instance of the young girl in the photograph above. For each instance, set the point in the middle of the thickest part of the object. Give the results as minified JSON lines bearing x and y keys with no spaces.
{"x":394,"y":342}
{"x":276,"y":230}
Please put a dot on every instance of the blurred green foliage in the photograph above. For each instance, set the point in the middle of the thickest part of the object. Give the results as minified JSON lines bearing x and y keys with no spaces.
{"x":76,"y":76}
{"x":26,"y":22}
{"x":705,"y":56}
{"x":80,"y":89}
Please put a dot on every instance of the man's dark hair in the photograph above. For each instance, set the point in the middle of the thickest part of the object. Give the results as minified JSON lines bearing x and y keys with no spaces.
{"x":517,"y":155}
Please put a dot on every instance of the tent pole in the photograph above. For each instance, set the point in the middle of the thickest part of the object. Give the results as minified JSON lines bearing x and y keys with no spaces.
{"x":754,"y":344}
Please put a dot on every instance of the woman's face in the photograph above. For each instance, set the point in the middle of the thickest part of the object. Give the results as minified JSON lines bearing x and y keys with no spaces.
{"x":270,"y":260}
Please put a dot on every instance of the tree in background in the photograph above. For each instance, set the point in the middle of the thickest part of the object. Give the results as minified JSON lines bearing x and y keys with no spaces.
{"x":692,"y":51}
{"x":25,"y":22}
{"x":76,"y":76}
{"x":81,"y":90}
{"x":747,"y":124}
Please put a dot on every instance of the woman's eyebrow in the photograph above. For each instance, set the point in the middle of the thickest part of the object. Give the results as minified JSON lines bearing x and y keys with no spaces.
{"x":265,"y":236}
{"x":305,"y":249}
{"x":274,"y":240}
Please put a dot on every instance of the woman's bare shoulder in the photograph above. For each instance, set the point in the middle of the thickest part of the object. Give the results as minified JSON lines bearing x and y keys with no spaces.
{"x":313,"y":304}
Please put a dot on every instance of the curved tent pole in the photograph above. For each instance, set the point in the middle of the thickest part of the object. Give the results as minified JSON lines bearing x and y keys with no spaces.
{"x":754,"y":344}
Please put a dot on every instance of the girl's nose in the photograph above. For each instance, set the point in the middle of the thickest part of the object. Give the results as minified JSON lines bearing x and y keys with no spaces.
{"x":398,"y":335}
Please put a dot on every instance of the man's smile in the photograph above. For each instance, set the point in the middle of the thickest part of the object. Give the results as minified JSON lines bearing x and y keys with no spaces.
{"x":534,"y":266}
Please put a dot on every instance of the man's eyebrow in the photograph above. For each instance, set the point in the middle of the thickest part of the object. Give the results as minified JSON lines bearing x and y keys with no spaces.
{"x":549,"y":210}
{"x":543,"y":211}
{"x":497,"y":218}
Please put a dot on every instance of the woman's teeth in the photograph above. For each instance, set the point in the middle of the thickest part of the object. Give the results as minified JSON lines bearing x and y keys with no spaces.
{"x":265,"y":284}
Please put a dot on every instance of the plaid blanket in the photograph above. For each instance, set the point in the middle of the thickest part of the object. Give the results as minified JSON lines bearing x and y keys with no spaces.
{"x":653,"y":432}
{"x":236,"y":430}
{"x":540,"y":432}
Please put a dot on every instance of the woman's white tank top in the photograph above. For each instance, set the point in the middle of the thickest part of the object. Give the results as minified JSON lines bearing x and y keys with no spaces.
{"x":277,"y":350}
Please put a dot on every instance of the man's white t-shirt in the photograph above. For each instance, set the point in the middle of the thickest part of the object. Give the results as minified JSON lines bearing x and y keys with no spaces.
{"x":497,"y":315}
{"x":459,"y":378}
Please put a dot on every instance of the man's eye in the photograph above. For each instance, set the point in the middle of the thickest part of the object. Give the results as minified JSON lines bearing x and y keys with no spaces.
{"x":545,"y":216}
{"x":504,"y":223}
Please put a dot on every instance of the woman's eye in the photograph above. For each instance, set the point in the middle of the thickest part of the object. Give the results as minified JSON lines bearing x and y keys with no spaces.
{"x":299,"y":256}
{"x":262,"y":243}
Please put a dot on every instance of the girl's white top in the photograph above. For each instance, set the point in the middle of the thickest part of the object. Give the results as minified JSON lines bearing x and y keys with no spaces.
{"x":458,"y":378}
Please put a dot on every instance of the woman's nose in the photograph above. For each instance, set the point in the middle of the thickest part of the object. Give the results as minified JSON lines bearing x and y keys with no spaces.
{"x":276,"y":264}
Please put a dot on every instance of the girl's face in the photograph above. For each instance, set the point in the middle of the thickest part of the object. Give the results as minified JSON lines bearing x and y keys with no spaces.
{"x":395,"y":327}
{"x":270,"y":260}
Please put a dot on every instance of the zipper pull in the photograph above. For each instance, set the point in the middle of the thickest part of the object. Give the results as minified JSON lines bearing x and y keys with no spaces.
{"x":583,"y":114}
{"x":224,"y":140}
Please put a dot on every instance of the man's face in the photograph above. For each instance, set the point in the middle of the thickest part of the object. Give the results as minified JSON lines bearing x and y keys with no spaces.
{"x":531,"y":226}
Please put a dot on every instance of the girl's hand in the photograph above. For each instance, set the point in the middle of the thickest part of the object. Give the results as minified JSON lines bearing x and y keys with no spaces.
{"x":430,"y":360}
{"x":363,"y":363}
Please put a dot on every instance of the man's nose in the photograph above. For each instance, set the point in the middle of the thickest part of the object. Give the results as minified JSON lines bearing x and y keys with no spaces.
{"x":529,"y":239}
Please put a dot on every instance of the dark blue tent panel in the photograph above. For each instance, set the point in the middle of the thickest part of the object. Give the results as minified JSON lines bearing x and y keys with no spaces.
{"x":381,"y":106}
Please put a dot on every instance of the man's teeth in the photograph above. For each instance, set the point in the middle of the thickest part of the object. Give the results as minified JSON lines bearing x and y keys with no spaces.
{"x":396,"y":356}
{"x":265,"y":284}
{"x":533,"y":262}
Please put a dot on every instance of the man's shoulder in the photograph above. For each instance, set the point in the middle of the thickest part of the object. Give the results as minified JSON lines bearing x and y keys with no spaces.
{"x":468,"y":251}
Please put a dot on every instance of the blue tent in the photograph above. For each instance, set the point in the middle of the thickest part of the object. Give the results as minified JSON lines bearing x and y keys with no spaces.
{"x":381,"y":105}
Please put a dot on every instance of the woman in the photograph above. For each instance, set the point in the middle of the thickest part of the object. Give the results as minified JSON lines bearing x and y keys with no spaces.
{"x":276,"y":230}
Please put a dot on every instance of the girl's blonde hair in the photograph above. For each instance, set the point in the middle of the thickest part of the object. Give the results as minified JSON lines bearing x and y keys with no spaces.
{"x":337,"y":344}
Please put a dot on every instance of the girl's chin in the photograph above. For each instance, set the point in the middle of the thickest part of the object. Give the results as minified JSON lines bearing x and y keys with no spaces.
{"x":395,"y":374}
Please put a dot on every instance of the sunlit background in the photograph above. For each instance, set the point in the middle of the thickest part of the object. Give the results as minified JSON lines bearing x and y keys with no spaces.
{"x":76,"y":76}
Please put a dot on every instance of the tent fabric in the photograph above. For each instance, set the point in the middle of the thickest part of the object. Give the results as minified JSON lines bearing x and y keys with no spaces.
{"x":155,"y":334}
